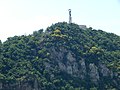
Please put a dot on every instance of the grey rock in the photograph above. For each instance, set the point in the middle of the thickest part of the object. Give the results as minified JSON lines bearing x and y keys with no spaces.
{"x":62,"y":66}
{"x":47,"y":66}
{"x":94,"y":75}
{"x":104,"y":70}
{"x":70,"y":57}
{"x":69,"y":69}
{"x":82,"y":70}
{"x":0,"y":85}
{"x":75,"y":68}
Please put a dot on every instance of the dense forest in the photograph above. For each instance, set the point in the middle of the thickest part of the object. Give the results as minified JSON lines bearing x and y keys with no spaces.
{"x":62,"y":57}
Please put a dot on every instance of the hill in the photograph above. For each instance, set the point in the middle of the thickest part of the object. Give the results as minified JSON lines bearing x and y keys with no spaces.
{"x":63,"y":57}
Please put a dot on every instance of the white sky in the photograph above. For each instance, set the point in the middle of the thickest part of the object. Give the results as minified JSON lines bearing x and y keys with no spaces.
{"x":19,"y":17}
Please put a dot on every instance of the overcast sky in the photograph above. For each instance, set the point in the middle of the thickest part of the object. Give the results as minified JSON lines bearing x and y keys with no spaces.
{"x":19,"y":17}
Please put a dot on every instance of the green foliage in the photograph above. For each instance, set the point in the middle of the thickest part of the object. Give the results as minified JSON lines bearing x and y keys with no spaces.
{"x":25,"y":58}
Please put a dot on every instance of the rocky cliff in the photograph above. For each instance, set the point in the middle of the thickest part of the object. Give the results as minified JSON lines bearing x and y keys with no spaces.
{"x":64,"y":57}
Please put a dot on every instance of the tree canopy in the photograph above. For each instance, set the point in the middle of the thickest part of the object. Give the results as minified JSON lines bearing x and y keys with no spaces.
{"x":27,"y":58}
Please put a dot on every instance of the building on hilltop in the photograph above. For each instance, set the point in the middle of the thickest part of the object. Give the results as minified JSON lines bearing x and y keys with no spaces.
{"x":83,"y":26}
{"x":70,"y":20}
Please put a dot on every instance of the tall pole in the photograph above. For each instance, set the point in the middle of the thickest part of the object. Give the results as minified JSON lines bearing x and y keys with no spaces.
{"x":70,"y":18}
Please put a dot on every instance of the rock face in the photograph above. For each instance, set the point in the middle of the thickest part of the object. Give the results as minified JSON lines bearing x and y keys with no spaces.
{"x":66,"y":62}
{"x":0,"y":85}
{"x":104,"y":70}
{"x":94,"y":74}
{"x":23,"y":86}
{"x":82,"y":69}
{"x":64,"y":57}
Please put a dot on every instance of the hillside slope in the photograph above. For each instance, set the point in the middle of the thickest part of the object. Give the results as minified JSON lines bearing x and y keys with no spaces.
{"x":64,"y":57}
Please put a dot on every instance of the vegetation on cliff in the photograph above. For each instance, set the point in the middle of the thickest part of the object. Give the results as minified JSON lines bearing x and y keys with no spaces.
{"x":63,"y":57}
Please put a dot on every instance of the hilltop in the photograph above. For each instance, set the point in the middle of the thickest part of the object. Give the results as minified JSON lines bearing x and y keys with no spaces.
{"x":63,"y":57}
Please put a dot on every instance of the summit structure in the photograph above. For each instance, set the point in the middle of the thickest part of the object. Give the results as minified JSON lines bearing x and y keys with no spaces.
{"x":70,"y":18}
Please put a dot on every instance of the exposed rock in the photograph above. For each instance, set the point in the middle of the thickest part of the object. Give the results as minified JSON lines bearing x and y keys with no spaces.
{"x":70,"y":57}
{"x":0,"y":85}
{"x":35,"y":85}
{"x":94,"y":75}
{"x":62,"y":66}
{"x":69,"y":69}
{"x":75,"y":69}
{"x":47,"y":66}
{"x":104,"y":70}
{"x":82,"y":69}
{"x":65,"y":57}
